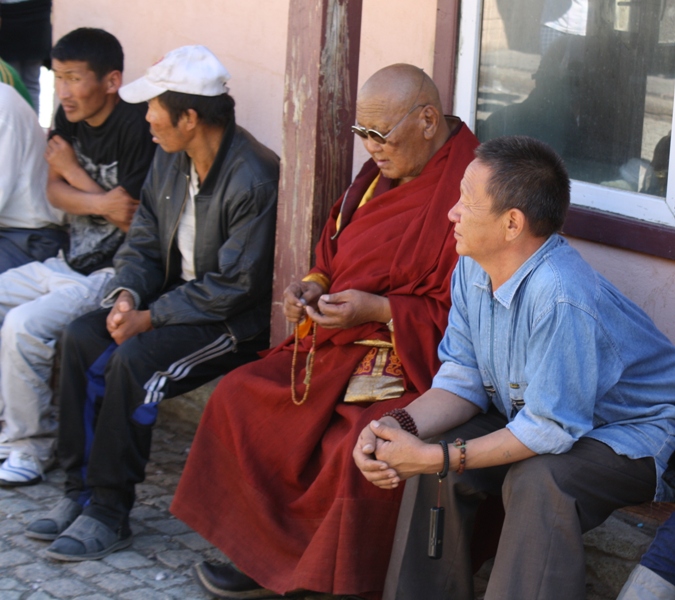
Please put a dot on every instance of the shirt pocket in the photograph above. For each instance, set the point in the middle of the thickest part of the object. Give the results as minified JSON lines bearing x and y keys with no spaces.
{"x":516,"y":397}
{"x":490,"y":390}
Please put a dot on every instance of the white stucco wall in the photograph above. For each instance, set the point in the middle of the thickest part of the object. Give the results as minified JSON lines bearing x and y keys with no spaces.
{"x":394,"y":31}
{"x":250,"y":39}
{"x":648,"y":281}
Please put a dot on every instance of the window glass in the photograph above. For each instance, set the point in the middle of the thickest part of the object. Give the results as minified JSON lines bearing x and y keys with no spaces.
{"x":593,"y":78}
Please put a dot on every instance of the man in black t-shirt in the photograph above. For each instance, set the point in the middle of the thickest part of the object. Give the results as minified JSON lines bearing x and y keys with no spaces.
{"x":98,"y":156}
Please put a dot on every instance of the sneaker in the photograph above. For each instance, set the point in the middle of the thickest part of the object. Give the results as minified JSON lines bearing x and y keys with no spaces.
{"x":20,"y":469}
{"x":5,"y":450}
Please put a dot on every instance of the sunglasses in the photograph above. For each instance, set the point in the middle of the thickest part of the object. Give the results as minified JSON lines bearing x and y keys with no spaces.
{"x":381,"y":138}
{"x":375,"y":135}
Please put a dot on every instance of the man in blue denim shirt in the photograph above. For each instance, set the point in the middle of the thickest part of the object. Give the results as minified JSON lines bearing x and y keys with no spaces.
{"x":564,"y":389}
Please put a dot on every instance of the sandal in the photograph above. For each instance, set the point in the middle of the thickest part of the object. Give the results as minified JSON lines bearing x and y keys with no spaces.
{"x":88,"y":539}
{"x":55,"y":522}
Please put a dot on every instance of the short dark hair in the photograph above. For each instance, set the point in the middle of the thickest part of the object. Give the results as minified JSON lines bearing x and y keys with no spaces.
{"x":216,"y":111}
{"x":98,"y":48}
{"x":527,"y":174}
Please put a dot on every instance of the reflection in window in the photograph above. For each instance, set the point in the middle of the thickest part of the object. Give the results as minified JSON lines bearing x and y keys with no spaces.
{"x":593,"y":78}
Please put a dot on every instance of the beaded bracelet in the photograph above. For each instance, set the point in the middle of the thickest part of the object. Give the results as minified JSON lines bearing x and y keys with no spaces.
{"x":461,"y":444}
{"x":404,"y":420}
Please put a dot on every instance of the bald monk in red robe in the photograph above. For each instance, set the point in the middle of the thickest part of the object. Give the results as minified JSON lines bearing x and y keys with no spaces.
{"x":270,"y":478}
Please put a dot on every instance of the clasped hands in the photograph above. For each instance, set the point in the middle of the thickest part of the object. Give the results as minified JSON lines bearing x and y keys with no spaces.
{"x":124,"y":321}
{"x":337,"y":310}
{"x":386,"y":454}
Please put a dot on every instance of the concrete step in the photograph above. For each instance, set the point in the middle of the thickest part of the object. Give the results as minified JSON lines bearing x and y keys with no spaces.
{"x":188,"y":408}
{"x":612,"y":549}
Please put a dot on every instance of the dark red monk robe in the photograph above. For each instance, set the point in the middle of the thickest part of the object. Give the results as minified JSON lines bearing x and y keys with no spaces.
{"x":274,"y":485}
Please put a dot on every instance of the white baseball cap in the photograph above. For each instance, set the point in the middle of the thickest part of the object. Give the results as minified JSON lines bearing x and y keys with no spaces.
{"x":188,"y":69}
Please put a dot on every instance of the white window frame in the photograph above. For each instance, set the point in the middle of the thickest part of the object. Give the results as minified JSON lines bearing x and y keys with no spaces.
{"x":628,"y":204}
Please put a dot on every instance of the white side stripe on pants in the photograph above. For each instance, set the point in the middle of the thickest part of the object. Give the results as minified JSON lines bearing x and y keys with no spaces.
{"x":181,"y":368}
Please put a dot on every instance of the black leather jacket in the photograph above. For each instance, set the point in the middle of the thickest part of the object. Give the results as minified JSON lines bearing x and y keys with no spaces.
{"x":235,"y":214}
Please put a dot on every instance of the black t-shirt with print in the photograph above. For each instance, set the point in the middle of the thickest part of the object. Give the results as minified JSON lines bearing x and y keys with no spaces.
{"x":118,"y":152}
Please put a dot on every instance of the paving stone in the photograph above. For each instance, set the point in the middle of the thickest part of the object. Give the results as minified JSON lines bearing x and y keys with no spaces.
{"x":38,"y":572}
{"x":214,"y":555}
{"x":94,"y":597}
{"x":144,"y":512}
{"x":89,"y":568}
{"x":127,"y":560}
{"x":67,"y":587}
{"x":163,"y":502}
{"x":17,"y":504}
{"x":165,"y":457}
{"x":116,"y":582}
{"x":171,"y":526}
{"x":169,"y":480}
{"x":40,"y":595}
{"x":160,"y":434}
{"x":40,"y":492}
{"x":10,"y":526}
{"x":19,"y":540}
{"x":7,"y":595}
{"x":6,"y":583}
{"x":56,"y":478}
{"x":6,"y":493}
{"x":177,"y":559}
{"x":138,"y":528}
{"x":144,"y":595}
{"x":160,"y":578}
{"x":152,"y":543}
{"x":189,"y":590}
{"x":148,"y":491}
{"x":12,"y":558}
{"x":194,"y":541}
{"x":616,"y":538}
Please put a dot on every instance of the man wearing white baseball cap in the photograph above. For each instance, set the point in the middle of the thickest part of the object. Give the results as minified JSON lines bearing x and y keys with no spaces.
{"x":190,"y":298}
{"x":188,"y":69}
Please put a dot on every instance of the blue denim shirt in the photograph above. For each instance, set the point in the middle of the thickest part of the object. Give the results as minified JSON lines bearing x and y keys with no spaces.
{"x":562,"y":354}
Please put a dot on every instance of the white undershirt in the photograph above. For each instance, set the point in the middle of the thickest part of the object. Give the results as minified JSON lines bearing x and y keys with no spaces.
{"x":566,"y":16}
{"x":186,"y":229}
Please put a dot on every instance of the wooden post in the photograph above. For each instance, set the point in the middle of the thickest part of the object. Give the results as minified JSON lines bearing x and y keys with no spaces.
{"x":319,"y":107}
{"x":445,"y":50}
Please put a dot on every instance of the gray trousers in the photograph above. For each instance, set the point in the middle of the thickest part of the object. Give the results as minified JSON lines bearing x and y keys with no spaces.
{"x":37,"y":301}
{"x":550,"y":501}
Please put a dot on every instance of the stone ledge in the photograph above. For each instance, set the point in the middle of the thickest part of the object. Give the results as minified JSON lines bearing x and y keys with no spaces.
{"x":188,"y":408}
{"x":615,"y":547}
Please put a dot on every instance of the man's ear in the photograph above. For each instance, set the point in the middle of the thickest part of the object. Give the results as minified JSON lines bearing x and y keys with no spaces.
{"x":431,"y":118}
{"x":190,"y":118}
{"x":113,"y":82}
{"x":516,"y":223}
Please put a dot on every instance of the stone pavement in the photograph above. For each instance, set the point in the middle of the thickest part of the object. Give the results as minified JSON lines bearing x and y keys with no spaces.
{"x":157,"y":565}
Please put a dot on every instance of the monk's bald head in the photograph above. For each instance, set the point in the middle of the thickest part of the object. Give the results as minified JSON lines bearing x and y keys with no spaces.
{"x":400,"y":121}
{"x":396,"y":87}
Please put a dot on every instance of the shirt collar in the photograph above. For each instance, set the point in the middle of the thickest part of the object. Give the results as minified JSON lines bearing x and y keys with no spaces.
{"x":507,"y":291}
{"x":194,"y":179}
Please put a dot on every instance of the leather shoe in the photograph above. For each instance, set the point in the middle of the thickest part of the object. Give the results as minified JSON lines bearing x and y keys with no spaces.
{"x":226,"y":581}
